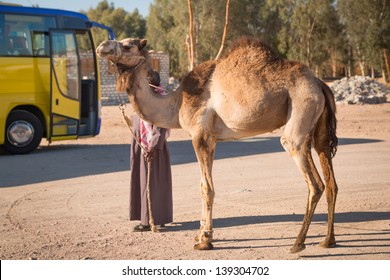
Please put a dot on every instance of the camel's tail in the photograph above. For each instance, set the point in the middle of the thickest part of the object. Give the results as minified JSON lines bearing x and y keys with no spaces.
{"x":325,"y":133}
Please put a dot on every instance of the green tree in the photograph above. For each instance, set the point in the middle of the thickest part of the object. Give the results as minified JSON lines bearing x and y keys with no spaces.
{"x":367,"y":28}
{"x":311,"y":28}
{"x":123,"y":23}
{"x":279,"y":12}
{"x":167,"y":26}
{"x":326,"y":35}
{"x":308,"y":31}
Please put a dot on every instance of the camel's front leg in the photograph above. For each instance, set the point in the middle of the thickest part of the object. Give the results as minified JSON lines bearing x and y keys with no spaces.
{"x":204,"y":147}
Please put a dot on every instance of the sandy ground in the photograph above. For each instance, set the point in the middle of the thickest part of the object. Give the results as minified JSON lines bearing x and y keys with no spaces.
{"x":69,"y":200}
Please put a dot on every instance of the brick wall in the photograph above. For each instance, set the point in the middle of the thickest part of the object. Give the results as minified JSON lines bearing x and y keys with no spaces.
{"x":110,"y":96}
{"x":163,"y":66}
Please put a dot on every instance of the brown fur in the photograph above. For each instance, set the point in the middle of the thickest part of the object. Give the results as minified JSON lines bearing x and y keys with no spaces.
{"x":249,"y":91}
{"x":195,"y":81}
{"x":330,"y":106}
{"x":266,"y":54}
{"x":123,"y":80}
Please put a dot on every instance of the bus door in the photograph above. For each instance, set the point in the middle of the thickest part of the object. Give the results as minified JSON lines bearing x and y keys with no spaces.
{"x":64,"y":86}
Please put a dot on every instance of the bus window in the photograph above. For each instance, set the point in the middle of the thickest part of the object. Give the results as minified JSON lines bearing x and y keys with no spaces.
{"x":25,"y":35}
{"x":3,"y":40}
{"x":40,"y":43}
{"x":86,"y":52}
{"x":65,"y":64}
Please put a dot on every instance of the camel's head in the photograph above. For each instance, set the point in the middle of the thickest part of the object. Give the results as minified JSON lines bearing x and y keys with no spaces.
{"x":128,"y":52}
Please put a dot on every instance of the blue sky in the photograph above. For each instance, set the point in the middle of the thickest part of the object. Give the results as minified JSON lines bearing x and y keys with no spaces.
{"x":77,"y":5}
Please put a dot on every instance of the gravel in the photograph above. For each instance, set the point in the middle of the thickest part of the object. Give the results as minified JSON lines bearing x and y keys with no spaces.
{"x":359,"y":90}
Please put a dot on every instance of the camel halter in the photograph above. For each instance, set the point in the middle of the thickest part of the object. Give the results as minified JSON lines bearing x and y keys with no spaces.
{"x":122,"y":107}
{"x":118,"y":56}
{"x":118,"y":52}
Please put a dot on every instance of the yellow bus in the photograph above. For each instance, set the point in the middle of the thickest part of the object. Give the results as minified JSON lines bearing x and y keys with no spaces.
{"x":49,"y":77}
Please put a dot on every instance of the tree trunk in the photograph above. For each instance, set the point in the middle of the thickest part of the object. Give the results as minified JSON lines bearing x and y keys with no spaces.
{"x":224,"y":30}
{"x":362,"y":67}
{"x":191,"y":37}
{"x":188,"y":51}
{"x":361,"y":62}
{"x":387,"y":65}
{"x":349,"y":70}
{"x":334,"y":64}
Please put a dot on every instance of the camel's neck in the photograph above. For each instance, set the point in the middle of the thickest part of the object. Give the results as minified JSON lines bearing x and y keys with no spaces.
{"x":162,"y":111}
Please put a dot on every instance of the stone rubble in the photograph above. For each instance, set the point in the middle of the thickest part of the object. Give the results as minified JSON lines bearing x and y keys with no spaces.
{"x":359,"y":90}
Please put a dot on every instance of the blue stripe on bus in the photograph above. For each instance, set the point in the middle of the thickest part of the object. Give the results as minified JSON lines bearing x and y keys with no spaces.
{"x":41,"y":11}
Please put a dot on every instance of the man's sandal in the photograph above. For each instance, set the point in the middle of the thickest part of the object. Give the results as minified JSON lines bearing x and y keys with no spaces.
{"x":141,"y":227}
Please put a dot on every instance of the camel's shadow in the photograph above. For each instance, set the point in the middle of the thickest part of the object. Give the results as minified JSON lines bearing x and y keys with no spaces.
{"x":358,"y":239}
{"x":346,"y":217}
{"x":364,"y":240}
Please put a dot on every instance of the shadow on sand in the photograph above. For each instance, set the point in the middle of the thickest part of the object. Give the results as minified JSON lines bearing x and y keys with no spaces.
{"x":347,"y":217}
{"x":49,"y":163}
{"x":357,"y":240}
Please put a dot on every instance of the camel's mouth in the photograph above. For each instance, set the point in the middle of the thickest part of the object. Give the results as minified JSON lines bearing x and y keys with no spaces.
{"x":107,"y":48}
{"x":102,"y":53}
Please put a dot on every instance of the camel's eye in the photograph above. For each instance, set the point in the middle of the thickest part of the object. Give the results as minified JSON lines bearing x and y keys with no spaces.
{"x":127,"y":47}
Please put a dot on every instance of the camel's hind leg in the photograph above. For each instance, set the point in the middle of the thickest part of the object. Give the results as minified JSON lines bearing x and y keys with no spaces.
{"x":302,"y":156}
{"x":296,"y":140}
{"x":204,"y":146}
{"x":322,"y":147}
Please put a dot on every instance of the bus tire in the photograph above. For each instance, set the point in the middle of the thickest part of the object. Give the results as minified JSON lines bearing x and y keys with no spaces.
{"x":23,"y":132}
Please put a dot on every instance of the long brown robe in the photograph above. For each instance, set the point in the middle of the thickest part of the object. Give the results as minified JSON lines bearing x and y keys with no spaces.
{"x":160,"y":181}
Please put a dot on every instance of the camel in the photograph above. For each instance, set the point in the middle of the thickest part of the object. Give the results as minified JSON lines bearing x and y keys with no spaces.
{"x":247,"y":92}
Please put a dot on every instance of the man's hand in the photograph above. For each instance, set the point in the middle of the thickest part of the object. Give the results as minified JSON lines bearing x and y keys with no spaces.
{"x":148,"y":155}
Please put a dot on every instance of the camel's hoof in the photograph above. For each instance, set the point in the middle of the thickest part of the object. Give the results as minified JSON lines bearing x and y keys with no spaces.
{"x":297,"y":248}
{"x":203,"y":246}
{"x":328,"y":244}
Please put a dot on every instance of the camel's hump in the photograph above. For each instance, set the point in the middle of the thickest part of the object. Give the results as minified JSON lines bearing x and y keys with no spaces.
{"x":195,"y":81}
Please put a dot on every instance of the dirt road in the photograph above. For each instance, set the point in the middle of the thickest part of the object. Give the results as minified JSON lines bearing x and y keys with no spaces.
{"x":69,"y":200}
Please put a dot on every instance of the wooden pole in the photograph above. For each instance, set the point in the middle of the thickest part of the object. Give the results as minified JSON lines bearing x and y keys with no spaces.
{"x":191,"y":35}
{"x":224,"y":30}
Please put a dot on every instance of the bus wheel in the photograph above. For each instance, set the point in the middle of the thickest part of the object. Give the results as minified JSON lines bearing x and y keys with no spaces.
{"x":23,"y":132}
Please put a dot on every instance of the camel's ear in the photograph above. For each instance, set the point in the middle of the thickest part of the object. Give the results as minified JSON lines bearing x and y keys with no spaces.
{"x":142,"y":44}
